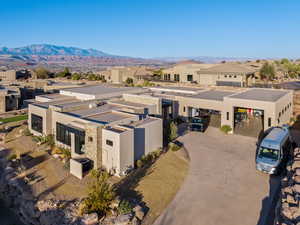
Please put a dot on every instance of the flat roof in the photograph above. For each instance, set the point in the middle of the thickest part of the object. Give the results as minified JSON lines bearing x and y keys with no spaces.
{"x":257,"y":94}
{"x":127,"y":103}
{"x":99,"y":89}
{"x":108,"y":117}
{"x":212,"y":95}
{"x":186,"y":90}
{"x":93,"y":111}
{"x":141,"y":122}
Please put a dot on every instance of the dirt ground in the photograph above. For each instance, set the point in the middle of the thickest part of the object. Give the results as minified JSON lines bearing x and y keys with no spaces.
{"x":48,"y":178}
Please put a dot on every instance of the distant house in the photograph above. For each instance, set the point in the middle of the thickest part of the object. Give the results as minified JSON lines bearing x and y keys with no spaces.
{"x":227,"y":74}
{"x":12,"y":75}
{"x":119,"y":74}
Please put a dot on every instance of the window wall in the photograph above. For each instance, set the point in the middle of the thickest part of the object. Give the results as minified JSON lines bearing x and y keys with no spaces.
{"x":37,"y":123}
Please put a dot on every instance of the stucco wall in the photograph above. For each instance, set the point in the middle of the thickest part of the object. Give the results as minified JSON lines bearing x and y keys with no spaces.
{"x":45,"y":114}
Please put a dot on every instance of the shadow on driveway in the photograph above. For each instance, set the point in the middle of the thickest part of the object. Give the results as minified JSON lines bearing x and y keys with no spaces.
{"x":268,"y":205}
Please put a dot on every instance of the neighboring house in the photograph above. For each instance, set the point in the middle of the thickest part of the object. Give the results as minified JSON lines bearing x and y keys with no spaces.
{"x":119,"y":74}
{"x":9,"y":99}
{"x":227,"y":74}
{"x":12,"y":75}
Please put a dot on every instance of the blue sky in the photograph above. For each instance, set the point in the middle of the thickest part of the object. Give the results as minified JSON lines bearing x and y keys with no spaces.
{"x":157,"y":28}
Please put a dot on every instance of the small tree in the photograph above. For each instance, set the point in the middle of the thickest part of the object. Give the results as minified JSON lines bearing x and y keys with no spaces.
{"x":267,"y":72}
{"x":100,"y":195}
{"x":76,"y":76}
{"x":42,"y":73}
{"x":65,"y":73}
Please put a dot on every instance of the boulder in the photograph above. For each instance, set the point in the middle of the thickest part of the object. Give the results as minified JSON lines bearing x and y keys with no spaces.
{"x":115,"y":203}
{"x":297,"y":179}
{"x":90,"y":219}
{"x":139,"y":212}
{"x":123,"y":219}
{"x":296,"y":188}
{"x":297,"y":172}
{"x":290,"y":199}
{"x":288,"y":190}
{"x":135,"y":221}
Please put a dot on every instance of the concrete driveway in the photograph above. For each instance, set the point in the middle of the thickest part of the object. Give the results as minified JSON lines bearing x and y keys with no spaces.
{"x":222,"y":186}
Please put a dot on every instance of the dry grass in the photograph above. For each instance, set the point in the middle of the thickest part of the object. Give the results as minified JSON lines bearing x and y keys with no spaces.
{"x":160,"y":186}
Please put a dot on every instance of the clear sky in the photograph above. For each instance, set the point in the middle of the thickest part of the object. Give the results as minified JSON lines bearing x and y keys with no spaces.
{"x":157,"y":28}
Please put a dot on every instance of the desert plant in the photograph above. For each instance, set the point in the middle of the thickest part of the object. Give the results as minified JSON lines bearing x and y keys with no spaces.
{"x":174,"y":147}
{"x":100,"y":194}
{"x":49,"y":139}
{"x":125,"y":207}
{"x":139,"y":163}
{"x":172,"y":131}
{"x":226,"y":129}
{"x":66,"y":153}
{"x":267,"y":71}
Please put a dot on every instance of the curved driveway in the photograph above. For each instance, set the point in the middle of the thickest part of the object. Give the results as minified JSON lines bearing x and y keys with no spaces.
{"x":222,"y":186}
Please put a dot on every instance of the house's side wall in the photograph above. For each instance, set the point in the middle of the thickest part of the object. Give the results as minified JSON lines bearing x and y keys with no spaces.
{"x":111,"y":154}
{"x":2,"y":104}
{"x":126,"y":150}
{"x":285,"y":106}
{"x":148,"y":137}
{"x":45,"y":114}
{"x":145,"y":100}
{"x":9,"y":75}
{"x":185,"y":102}
{"x":93,"y":144}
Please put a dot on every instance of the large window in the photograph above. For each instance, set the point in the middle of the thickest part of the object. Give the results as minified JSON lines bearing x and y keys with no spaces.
{"x":176,"y":77}
{"x":63,"y":134}
{"x":79,"y":141}
{"x":37,"y":123}
{"x":189,"y":77}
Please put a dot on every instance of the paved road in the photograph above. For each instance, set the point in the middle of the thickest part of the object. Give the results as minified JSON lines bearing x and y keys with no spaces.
{"x":222,"y":186}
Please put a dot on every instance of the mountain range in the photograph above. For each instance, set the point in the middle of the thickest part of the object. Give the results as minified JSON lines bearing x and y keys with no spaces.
{"x":55,"y":56}
{"x":46,"y":49}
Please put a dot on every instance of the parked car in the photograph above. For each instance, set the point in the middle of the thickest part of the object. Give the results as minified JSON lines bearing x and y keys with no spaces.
{"x":198,"y":123}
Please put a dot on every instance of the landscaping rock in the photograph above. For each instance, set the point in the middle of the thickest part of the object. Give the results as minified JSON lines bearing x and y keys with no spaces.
{"x":297,"y":179}
{"x":296,"y":188}
{"x":290,"y":199}
{"x":90,"y":219}
{"x":297,"y":171}
{"x":123,"y":219}
{"x":135,"y":221}
{"x":139,"y":212}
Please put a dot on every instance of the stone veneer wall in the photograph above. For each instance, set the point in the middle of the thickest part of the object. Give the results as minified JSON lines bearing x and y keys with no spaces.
{"x":93,"y":147}
{"x":288,"y":206}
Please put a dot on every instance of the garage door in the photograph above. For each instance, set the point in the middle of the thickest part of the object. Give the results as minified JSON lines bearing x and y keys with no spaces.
{"x":228,"y":83}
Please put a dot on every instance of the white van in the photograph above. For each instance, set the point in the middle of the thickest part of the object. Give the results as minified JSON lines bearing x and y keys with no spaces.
{"x":274,"y":150}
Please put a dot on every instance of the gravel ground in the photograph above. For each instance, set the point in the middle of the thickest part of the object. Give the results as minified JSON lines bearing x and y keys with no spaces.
{"x":222,"y":186}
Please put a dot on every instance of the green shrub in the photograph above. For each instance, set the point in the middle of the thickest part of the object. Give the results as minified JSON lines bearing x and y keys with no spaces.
{"x":66,"y":153}
{"x":139,"y":163}
{"x":172,"y":131}
{"x":174,"y":147}
{"x":49,"y":139}
{"x":226,"y":129}
{"x":100,"y":195}
{"x":36,"y":138}
{"x":125,"y":207}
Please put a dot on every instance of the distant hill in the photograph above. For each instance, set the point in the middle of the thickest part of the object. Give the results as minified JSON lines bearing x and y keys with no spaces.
{"x":46,"y":49}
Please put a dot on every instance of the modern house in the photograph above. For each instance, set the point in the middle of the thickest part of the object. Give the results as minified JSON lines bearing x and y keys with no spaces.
{"x":113,"y":127}
{"x":79,"y":119}
{"x":9,"y":99}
